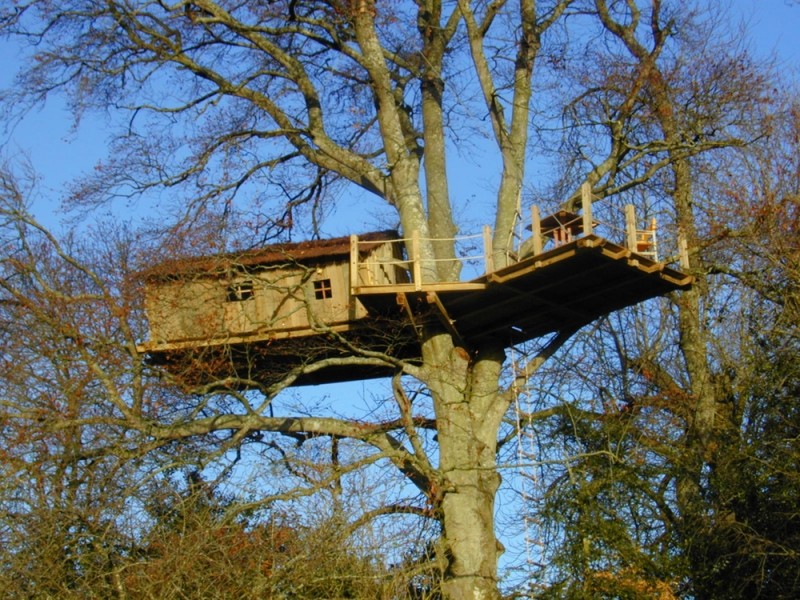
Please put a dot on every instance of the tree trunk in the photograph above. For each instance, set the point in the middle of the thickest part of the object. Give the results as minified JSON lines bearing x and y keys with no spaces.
{"x":465,"y":392}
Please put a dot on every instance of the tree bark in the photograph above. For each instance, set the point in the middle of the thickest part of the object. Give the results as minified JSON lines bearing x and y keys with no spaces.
{"x":465,"y":391}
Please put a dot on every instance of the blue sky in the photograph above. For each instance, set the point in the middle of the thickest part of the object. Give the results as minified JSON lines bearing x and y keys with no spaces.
{"x":774,"y":27}
{"x":59,"y":153}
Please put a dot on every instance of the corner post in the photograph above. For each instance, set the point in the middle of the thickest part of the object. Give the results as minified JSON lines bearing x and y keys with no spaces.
{"x":488,"y":260}
{"x":683,"y":252}
{"x":586,"y":208}
{"x":416,"y":267}
{"x":536,"y":230}
{"x":630,"y":226}
{"x":353,"y":262}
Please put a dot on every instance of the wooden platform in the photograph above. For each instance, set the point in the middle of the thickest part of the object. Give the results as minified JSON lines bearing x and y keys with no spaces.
{"x":565,"y":287}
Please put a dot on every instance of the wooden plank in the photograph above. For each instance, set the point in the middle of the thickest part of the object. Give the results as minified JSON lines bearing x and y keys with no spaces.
{"x":646,"y":265}
{"x":403,"y":288}
{"x":263,"y":336}
{"x":532,"y":264}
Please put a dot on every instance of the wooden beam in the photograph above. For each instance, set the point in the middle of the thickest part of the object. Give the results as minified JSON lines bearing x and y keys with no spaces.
{"x":444,"y":317}
{"x":402,"y":300}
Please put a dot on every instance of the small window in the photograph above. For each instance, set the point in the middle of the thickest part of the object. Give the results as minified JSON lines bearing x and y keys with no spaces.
{"x":322,"y":289}
{"x":240,"y":291}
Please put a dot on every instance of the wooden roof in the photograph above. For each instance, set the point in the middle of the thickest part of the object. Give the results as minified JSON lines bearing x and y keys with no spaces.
{"x":287,"y":252}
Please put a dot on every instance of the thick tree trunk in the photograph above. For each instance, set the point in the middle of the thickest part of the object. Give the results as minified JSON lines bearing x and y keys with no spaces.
{"x":465,"y":391}
{"x":468,"y":515}
{"x":468,"y":523}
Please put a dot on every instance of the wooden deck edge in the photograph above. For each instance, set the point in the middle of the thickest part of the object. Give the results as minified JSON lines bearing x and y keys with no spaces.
{"x":410,"y":288}
{"x":273,"y":335}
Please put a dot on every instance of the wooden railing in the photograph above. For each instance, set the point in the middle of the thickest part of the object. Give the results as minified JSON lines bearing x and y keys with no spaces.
{"x":475,"y":252}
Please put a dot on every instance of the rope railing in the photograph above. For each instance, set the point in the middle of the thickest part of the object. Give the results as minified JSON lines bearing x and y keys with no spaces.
{"x":473,"y":258}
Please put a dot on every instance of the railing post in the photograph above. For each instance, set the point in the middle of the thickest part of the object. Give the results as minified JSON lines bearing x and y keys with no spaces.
{"x":586,"y":208}
{"x":683,"y":252}
{"x":630,"y":226}
{"x":536,"y":230}
{"x":416,"y":267}
{"x":353,"y":262}
{"x":488,"y":259}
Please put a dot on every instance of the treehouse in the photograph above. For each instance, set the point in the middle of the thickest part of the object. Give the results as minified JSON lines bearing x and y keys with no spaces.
{"x":260,"y":315}
{"x":256,"y":315}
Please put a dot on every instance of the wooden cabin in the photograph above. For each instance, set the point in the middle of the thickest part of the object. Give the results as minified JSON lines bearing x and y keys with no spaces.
{"x":244,"y":312}
{"x":255,"y":316}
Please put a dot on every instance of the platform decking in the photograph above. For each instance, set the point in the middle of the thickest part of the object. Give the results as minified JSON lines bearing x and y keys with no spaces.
{"x":562,"y":288}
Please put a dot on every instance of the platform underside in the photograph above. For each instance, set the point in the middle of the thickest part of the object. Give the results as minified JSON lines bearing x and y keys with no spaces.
{"x":313,"y":358}
{"x":563,"y":289}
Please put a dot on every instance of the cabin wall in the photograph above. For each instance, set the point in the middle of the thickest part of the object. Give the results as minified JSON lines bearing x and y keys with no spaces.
{"x":270,"y":301}
{"x":385,"y":264}
{"x":184,"y":309}
{"x":265,"y":301}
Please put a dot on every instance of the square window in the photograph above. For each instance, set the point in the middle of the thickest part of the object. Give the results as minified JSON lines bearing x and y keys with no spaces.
{"x":240,"y":291}
{"x":322,"y":289}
